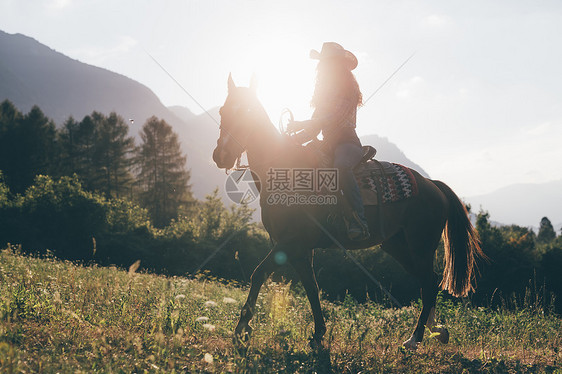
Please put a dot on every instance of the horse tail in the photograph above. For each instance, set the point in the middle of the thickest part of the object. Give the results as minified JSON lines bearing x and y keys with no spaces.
{"x":462,"y":247}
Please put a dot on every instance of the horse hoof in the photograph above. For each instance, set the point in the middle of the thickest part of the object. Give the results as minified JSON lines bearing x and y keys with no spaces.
{"x":240,"y":340}
{"x":242,"y":334}
{"x":239,"y":345}
{"x":441,"y":334}
{"x":315,"y":343}
{"x":411,"y":344}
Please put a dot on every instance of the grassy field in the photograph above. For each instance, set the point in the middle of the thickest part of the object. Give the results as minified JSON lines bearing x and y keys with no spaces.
{"x":59,"y":317}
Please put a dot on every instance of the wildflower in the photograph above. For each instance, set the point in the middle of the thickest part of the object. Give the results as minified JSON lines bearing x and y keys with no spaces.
{"x":209,"y":327}
{"x":208,"y":358}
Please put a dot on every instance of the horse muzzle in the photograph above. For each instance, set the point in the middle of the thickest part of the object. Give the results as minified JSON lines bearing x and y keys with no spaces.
{"x":224,"y":159}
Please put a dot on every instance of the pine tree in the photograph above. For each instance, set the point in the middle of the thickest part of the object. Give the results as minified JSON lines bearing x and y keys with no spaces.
{"x":99,"y":151}
{"x":10,"y":119}
{"x":113,"y":155}
{"x":86,"y":144}
{"x":546,"y":231}
{"x":28,"y":146}
{"x":70,"y":147}
{"x":162,"y":176}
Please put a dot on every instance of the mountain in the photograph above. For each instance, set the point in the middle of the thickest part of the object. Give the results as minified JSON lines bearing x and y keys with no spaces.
{"x":523,"y":204}
{"x":387,"y":151}
{"x":34,"y":74}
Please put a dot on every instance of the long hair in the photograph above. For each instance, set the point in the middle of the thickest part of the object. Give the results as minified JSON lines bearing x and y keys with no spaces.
{"x":334,"y":78}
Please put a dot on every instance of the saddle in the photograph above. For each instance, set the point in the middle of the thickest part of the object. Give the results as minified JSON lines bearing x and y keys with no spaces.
{"x":369,"y":153}
{"x":380,"y":182}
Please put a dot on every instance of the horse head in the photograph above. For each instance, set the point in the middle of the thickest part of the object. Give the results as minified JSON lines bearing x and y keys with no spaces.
{"x":237,"y":123}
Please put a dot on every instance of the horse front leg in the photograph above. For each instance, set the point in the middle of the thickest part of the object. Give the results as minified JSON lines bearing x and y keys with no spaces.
{"x":243,"y":331}
{"x":304,"y":268}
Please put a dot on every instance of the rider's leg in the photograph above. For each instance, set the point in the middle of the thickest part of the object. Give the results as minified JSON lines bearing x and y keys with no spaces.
{"x":346,"y":157}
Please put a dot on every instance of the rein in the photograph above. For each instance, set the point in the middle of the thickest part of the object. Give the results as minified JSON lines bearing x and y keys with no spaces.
{"x":238,"y":166}
{"x":282,"y":129}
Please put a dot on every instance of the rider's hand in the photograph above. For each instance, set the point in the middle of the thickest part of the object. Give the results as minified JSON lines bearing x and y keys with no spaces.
{"x":301,"y":137}
{"x":295,"y":126}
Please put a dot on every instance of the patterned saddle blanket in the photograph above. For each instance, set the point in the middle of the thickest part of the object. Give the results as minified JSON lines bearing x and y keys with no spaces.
{"x":391,"y":183}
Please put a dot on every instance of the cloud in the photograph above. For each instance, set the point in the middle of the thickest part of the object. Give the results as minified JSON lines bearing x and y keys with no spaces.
{"x":58,"y":4}
{"x":409,"y":87}
{"x":437,"y":21}
{"x":540,"y":129}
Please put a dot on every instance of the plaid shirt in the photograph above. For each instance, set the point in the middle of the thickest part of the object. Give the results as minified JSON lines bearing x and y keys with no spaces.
{"x":336,"y":118}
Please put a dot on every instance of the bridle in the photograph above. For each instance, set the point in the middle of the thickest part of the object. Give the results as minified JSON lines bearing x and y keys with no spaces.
{"x":238,"y":164}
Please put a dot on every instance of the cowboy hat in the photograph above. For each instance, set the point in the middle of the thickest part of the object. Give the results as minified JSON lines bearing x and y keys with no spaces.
{"x":332,"y":50}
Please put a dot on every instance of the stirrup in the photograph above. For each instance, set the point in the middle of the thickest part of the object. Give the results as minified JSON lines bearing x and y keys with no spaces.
{"x":358,"y":233}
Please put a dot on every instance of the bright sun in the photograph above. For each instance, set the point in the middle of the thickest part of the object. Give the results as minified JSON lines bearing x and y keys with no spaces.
{"x":285,"y":76}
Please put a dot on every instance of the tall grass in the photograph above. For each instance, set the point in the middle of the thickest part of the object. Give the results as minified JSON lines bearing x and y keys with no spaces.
{"x":59,"y":317}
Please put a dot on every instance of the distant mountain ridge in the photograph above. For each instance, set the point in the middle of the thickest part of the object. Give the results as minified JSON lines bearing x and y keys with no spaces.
{"x":387,"y":151}
{"x":523,"y":204}
{"x":33,"y":74}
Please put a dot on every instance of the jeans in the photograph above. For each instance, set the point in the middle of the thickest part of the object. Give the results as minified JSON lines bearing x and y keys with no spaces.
{"x":346,"y":157}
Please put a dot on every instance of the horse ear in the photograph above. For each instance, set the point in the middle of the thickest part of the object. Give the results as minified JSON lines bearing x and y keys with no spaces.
{"x":231,"y":85}
{"x":254,"y":82}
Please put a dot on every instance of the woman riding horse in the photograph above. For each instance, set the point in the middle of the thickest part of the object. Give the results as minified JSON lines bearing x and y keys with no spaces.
{"x":413,"y":226}
{"x":335,"y":100}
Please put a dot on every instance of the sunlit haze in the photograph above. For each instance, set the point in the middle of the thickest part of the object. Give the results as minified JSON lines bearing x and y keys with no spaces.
{"x":479,"y":106}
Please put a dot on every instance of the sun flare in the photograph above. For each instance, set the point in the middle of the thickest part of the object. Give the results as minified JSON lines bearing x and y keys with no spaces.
{"x":284,"y":72}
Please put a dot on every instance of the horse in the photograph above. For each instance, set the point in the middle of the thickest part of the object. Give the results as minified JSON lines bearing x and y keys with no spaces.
{"x":412,"y":231}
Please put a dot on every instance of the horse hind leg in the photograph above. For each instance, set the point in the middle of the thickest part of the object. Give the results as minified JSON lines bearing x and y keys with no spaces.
{"x":427,"y":315}
{"x":429,"y":289}
{"x":439,"y":331}
{"x":417,"y":261}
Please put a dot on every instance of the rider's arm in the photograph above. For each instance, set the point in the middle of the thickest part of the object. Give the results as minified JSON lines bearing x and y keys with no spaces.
{"x":329,"y":116}
{"x":309,"y":131}
{"x":335,"y":113}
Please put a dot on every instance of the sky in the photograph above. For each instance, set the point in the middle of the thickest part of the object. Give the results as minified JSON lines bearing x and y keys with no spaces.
{"x":478,"y":106}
